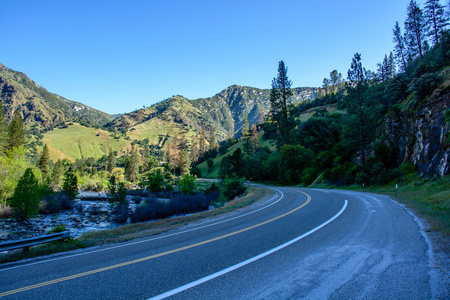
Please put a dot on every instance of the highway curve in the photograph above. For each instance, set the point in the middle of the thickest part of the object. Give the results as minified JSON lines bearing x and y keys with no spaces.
{"x":300,"y":243}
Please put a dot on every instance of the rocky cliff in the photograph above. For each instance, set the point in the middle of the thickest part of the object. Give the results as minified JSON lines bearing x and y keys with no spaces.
{"x":420,"y":136}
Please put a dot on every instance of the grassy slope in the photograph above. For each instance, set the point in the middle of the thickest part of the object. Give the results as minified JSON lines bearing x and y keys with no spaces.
{"x":331,"y":108}
{"x":214,"y":172}
{"x":78,"y":141}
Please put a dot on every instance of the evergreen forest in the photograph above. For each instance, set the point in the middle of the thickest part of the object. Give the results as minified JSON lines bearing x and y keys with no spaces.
{"x":360,"y":129}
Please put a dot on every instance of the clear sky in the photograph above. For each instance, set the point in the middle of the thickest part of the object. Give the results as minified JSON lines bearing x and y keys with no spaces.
{"x":119,"y":55}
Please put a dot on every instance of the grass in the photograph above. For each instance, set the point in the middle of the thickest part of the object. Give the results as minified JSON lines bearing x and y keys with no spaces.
{"x":134,"y":231}
{"x":77,"y":141}
{"x":306,"y":115}
{"x":429,"y":198}
{"x":214,"y":171}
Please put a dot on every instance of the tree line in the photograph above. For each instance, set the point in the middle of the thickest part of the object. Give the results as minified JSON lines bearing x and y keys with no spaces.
{"x":350,"y":146}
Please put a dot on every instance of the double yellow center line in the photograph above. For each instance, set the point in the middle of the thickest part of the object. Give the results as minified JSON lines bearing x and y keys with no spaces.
{"x":46,"y":283}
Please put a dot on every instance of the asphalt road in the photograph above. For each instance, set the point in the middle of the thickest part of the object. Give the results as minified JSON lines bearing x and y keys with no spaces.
{"x":300,"y":243}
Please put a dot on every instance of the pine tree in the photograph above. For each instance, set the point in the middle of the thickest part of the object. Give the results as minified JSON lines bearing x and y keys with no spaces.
{"x":415,"y":28}
{"x":194,"y":150}
{"x":111,"y":161}
{"x":386,"y":69}
{"x":246,"y":135}
{"x":70,"y":184}
{"x":202,"y":140}
{"x":185,"y":162}
{"x":357,"y":105}
{"x":245,"y":127}
{"x":391,"y":66}
{"x":169,"y":158}
{"x":382,"y":70}
{"x":26,"y":197}
{"x":44,"y":163}
{"x":58,"y":171}
{"x":132,"y":165}
{"x":212,"y":139}
{"x":3,"y":131}
{"x":254,"y":137}
{"x":400,"y":48}
{"x":16,"y":132}
{"x":231,"y":130}
{"x":356,"y":74}
{"x":435,"y":20}
{"x":335,"y":81}
{"x":279,"y":102}
{"x":326,"y":85}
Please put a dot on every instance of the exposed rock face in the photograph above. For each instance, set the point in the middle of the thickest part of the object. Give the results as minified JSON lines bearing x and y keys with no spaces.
{"x":420,"y":137}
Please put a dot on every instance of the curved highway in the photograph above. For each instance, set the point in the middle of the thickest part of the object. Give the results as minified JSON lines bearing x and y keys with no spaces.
{"x":300,"y":243}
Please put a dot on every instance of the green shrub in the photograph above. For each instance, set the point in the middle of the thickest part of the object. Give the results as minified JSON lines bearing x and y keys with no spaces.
{"x":210,"y":163}
{"x":155,"y":181}
{"x":212,"y":188}
{"x":344,"y":174}
{"x":231,"y":188}
{"x":195,"y":171}
{"x":120,"y":213}
{"x":308,"y":176}
{"x":57,"y":229}
{"x":187,"y":185}
{"x":422,"y":87}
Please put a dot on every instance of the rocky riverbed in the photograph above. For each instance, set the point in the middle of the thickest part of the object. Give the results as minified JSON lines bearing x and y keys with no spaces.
{"x":87,"y":215}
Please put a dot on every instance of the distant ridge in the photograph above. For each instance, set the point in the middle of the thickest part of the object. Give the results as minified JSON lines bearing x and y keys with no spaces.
{"x":39,"y":106}
{"x":220,"y":110}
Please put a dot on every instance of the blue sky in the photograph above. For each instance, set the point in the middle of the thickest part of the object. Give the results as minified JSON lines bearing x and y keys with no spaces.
{"x":119,"y":55}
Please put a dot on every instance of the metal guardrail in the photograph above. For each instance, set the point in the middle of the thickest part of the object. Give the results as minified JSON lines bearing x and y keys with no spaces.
{"x":27,"y":243}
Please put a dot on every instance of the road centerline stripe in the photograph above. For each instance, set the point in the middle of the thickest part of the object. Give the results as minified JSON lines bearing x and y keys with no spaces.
{"x":245,"y":262}
{"x":31,"y":287}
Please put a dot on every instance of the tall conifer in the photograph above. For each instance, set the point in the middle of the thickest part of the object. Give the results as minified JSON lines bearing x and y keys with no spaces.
{"x":3,"y":130}
{"x":212,"y":139}
{"x":279,"y":101}
{"x":16,"y":132}
{"x":111,"y":161}
{"x":44,"y":163}
{"x":202,"y":140}
{"x":415,"y":29}
{"x":400,"y":49}
{"x":435,"y":20}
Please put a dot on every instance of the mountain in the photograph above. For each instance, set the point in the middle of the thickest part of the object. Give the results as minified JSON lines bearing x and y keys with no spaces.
{"x":38,"y":106}
{"x":172,"y":117}
{"x":237,"y":101}
{"x":176,"y":116}
{"x":220,"y":110}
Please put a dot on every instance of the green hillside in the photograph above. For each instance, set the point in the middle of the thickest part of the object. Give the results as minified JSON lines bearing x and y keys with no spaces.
{"x":77,"y":141}
{"x":38,"y":106}
{"x":181,"y":115}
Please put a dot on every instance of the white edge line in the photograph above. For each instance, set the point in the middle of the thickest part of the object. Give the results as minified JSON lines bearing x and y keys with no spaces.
{"x":246,"y":262}
{"x":147,"y":240}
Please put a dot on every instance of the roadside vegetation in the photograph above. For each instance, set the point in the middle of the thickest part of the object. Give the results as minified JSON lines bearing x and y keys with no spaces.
{"x":136,"y":230}
{"x":342,"y":139}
